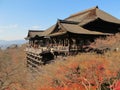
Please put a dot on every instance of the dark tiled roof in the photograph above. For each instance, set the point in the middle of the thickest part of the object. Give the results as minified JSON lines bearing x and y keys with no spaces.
{"x":75,"y":23}
{"x":91,"y":14}
{"x":34,"y":33}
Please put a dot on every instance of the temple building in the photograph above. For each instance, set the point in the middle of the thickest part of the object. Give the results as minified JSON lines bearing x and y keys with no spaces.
{"x":75,"y":32}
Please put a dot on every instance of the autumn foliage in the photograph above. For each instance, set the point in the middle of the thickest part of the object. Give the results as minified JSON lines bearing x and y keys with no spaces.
{"x":110,"y":42}
{"x":85,"y":71}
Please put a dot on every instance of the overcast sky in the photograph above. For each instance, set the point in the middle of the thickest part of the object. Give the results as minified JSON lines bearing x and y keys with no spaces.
{"x":18,"y":16}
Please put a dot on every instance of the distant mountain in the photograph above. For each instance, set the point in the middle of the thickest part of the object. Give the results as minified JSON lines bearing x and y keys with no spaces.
{"x":4,"y":44}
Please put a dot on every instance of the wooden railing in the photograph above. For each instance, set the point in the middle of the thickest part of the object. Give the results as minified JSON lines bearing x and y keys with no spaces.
{"x":36,"y":50}
{"x":74,"y":48}
{"x":33,"y":50}
{"x":61,"y":48}
{"x":51,"y":49}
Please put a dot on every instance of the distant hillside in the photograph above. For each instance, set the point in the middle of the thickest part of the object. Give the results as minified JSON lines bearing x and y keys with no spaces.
{"x":4,"y":43}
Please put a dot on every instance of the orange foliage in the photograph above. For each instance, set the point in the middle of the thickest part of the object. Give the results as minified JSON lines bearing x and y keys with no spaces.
{"x":71,"y":87}
{"x":81,"y":73}
{"x":112,"y":42}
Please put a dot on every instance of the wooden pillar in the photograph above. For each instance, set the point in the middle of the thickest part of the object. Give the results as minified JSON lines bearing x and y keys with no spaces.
{"x":63,"y":42}
{"x":54,"y":41}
